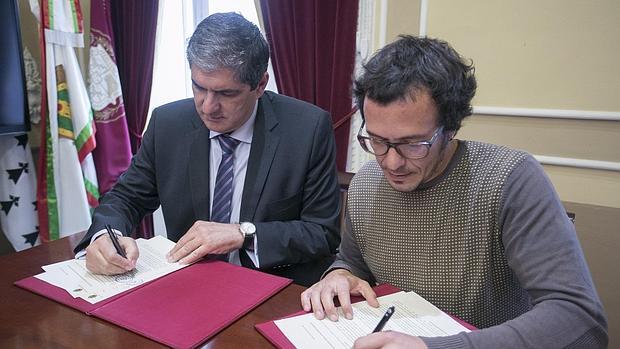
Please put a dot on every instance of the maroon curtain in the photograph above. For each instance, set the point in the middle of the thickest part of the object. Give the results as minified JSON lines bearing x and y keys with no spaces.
{"x":135,"y":24}
{"x":313,"y":54}
{"x":113,"y":152}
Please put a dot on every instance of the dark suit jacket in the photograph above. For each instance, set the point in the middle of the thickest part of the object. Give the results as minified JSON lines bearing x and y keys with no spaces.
{"x":290,"y":191}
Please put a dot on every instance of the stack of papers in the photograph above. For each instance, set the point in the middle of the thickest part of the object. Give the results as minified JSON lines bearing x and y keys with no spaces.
{"x":413,"y":315}
{"x":73,"y":276}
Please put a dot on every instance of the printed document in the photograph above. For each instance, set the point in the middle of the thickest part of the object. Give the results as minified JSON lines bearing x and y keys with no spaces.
{"x":413,"y":315}
{"x":73,"y":276}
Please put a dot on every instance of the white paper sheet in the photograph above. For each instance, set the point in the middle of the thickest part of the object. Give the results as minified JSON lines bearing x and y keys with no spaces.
{"x":413,"y":315}
{"x":73,"y":276}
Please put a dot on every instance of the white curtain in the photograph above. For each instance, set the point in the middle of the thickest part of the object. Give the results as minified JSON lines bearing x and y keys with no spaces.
{"x":356,"y":157}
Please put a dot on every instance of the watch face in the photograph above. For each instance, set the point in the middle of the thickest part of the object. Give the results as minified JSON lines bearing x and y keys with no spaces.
{"x":247,"y":228}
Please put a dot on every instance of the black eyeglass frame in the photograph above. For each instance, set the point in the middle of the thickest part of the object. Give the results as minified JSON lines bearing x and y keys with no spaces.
{"x":396,"y":145}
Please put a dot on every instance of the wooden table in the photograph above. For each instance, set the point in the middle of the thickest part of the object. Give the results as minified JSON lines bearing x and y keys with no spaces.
{"x":31,"y":321}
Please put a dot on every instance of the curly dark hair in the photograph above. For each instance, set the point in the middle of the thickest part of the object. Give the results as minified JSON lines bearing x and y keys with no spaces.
{"x":413,"y":64}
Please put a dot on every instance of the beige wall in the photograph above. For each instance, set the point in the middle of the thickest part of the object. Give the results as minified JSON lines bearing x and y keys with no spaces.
{"x":403,"y":17}
{"x":556,"y":54}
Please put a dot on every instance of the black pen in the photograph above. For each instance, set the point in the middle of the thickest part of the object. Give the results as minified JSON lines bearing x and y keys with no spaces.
{"x":388,"y":314}
{"x":115,"y":242}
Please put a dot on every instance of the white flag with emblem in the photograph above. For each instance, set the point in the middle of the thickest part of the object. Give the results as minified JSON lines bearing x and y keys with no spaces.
{"x":18,"y":215}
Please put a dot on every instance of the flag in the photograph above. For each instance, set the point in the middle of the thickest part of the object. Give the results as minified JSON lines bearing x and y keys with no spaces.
{"x":18,"y":215}
{"x":113,"y":153}
{"x":67,"y":189}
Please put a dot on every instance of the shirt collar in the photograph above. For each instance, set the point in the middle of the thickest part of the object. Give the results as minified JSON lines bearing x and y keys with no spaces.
{"x":243,"y":133}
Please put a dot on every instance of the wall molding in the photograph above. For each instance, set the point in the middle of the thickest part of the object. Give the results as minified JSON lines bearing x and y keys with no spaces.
{"x":549,"y":113}
{"x":383,"y":13}
{"x":423,"y":17}
{"x":578,"y":163}
{"x":560,"y":114}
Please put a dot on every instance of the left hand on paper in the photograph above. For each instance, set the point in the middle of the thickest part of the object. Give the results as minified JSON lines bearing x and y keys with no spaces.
{"x":206,"y":238}
{"x":389,"y":340}
{"x":341,"y":283}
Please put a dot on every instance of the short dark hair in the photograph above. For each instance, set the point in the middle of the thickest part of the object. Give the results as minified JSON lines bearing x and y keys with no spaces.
{"x":229,"y":41}
{"x":410,"y":65}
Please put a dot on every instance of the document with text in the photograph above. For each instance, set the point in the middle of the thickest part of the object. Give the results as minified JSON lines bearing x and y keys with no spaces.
{"x":413,"y":315}
{"x":72,"y":275}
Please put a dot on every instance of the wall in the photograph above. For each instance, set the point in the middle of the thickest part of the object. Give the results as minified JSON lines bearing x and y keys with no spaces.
{"x":554,"y":54}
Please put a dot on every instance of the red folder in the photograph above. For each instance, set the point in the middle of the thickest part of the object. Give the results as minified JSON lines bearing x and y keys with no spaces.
{"x":182,"y":309}
{"x":273,"y":334}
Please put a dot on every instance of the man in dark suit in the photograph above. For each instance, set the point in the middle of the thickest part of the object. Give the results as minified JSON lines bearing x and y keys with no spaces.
{"x":241,"y":173}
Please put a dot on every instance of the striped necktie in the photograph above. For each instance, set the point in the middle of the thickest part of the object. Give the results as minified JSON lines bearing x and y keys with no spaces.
{"x":222,"y":193}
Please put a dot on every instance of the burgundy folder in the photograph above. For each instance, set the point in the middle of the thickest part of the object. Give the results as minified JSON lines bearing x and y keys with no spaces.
{"x":273,"y":334}
{"x":182,"y":309}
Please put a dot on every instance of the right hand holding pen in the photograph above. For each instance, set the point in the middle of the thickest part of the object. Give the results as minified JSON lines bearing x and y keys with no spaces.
{"x":340,"y":282}
{"x":102,"y":258}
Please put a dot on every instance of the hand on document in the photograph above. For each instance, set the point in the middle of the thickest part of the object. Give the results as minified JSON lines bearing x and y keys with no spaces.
{"x":73,"y":276}
{"x":413,"y":317}
{"x":206,"y":238}
{"x":389,"y":339}
{"x":102,"y":258}
{"x":338,"y":283}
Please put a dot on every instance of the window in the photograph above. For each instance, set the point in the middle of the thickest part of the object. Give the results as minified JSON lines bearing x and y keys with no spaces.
{"x":176,"y":23}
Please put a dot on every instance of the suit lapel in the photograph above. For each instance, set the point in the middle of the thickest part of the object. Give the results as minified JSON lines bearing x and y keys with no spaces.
{"x":199,"y":170}
{"x":265,"y":141}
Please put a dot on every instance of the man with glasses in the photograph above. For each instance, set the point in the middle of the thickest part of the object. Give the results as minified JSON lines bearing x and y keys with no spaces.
{"x":477,"y":229}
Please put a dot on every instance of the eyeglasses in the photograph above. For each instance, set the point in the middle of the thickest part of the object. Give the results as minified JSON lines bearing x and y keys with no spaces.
{"x":413,"y":151}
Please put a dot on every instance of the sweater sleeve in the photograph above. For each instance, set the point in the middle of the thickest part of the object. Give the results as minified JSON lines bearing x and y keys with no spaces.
{"x":349,"y":256}
{"x":542,"y":249}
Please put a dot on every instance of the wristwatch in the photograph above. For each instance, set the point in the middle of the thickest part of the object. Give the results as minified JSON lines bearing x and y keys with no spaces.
{"x":248,"y":230}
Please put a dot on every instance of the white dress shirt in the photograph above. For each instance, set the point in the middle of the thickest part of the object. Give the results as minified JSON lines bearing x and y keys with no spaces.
{"x":241,"y":155}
